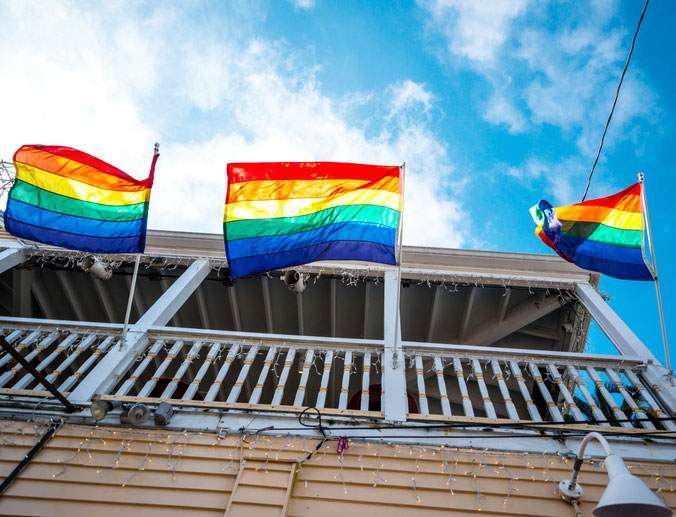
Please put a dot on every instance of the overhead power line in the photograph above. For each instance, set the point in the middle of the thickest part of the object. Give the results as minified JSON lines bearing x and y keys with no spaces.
{"x":617,"y":93}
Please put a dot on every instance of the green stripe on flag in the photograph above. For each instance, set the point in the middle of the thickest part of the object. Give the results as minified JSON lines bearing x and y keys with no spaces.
{"x":36,"y":196}
{"x":598,"y":232}
{"x":248,"y":228}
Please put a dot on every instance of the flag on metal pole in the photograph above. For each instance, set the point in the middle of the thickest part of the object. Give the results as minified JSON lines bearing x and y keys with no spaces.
{"x":71,"y":199}
{"x":279,"y":215}
{"x":606,"y":235}
{"x":603,"y":235}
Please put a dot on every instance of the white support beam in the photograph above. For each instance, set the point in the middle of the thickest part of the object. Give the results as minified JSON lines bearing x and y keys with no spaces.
{"x":466,"y":314}
{"x":394,"y":377}
{"x":116,"y":361}
{"x":71,"y":294}
{"x":139,"y":304}
{"x":176,"y":319}
{"x":174,"y":298}
{"x":11,"y":257}
{"x":627,"y":343}
{"x":103,"y":292}
{"x":524,"y":314}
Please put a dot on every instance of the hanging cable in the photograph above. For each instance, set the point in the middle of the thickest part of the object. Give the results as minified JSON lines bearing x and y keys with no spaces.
{"x":617,"y":93}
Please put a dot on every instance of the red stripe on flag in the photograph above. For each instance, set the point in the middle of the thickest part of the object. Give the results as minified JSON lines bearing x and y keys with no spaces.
{"x":241,"y":172}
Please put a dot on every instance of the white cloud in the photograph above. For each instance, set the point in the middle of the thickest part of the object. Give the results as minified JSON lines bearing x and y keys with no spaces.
{"x":408,"y":94}
{"x":502,"y":111}
{"x":113,"y":81}
{"x":560,"y":70}
{"x":475,"y":30}
{"x":303,"y":4}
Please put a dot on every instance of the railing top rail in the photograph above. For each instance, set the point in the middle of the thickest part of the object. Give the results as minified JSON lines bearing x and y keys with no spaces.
{"x":197,"y":334}
{"x":260,"y":337}
{"x":518,"y":354}
{"x":289,"y":340}
{"x":40,"y":323}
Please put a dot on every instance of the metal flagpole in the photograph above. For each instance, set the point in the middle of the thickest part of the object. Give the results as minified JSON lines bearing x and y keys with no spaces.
{"x":653,"y":270}
{"x":131,"y":297}
{"x":400,"y":238}
{"x":156,"y":151}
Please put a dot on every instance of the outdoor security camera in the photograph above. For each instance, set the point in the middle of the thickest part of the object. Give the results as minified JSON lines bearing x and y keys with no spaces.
{"x":294,"y":281}
{"x":95,"y":267}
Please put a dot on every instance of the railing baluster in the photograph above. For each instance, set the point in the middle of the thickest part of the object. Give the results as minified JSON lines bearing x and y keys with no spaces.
{"x":258,"y":389}
{"x":422,"y":395}
{"x":326,"y":373}
{"x":365,"y":381}
{"x":27,"y":341}
{"x":509,"y":405}
{"x":554,"y":372}
{"x":551,"y":406}
{"x":84,"y":345}
{"x":645,"y":423}
{"x":631,"y":376}
{"x":222,"y":372}
{"x":598,"y":414}
{"x":527,"y":397}
{"x":11,"y":338}
{"x":279,"y":391}
{"x":178,"y":376}
{"x":347,"y":367}
{"x":443,"y":394}
{"x":84,"y":367}
{"x":607,"y":397}
{"x":150,"y":384}
{"x":129,"y":383}
{"x":195,"y":384}
{"x":28,"y":378}
{"x":47,"y":341}
{"x":462,"y":386}
{"x":300,"y":392}
{"x":479,"y":374}
{"x":237,"y":387}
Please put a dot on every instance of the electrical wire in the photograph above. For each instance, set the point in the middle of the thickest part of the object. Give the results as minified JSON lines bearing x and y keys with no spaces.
{"x":617,"y":93}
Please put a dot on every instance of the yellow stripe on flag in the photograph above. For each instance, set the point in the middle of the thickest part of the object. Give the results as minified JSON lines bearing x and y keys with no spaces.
{"x":599,"y":214}
{"x":76,"y":189}
{"x":274,"y":208}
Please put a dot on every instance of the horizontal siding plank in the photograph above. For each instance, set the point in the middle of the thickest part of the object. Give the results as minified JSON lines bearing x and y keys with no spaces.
{"x":116,"y":477}
{"x":170,"y":497}
{"x":308,"y":507}
{"x":45,"y":507}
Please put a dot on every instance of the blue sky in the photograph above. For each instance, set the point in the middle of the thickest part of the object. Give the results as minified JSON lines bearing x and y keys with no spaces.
{"x":493,"y":106}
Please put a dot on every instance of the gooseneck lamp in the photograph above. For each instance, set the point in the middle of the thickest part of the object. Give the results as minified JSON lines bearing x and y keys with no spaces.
{"x":625,"y":496}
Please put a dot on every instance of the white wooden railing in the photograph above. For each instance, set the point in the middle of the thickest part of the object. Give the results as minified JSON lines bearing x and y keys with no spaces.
{"x":443,"y":382}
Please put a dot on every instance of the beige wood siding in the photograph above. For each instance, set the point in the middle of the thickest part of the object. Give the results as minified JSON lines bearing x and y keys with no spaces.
{"x":162,"y":473}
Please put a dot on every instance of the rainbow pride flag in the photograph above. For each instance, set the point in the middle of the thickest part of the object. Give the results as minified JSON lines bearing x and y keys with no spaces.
{"x":286,"y":214}
{"x":71,"y":199}
{"x":604,"y":235}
